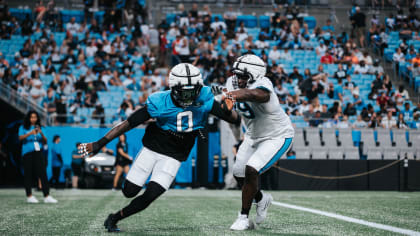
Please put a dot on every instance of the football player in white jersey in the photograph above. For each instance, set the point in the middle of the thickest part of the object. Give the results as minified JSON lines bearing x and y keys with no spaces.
{"x":268,"y":137}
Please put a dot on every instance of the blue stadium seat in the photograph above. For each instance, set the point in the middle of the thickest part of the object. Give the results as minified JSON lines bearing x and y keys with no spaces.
{"x":311,"y":21}
{"x":250,"y":21}
{"x":220,"y":16}
{"x":264,"y":21}
{"x":170,"y":17}
{"x":66,"y":15}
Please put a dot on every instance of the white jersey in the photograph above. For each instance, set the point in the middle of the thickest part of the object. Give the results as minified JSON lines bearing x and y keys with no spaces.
{"x":263,"y":120}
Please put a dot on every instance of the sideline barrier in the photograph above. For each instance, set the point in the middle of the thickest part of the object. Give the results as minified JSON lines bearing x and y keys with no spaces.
{"x":347,"y":175}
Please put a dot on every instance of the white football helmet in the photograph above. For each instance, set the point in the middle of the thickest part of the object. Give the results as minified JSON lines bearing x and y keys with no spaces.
{"x":185,"y":81}
{"x":248,"y":67}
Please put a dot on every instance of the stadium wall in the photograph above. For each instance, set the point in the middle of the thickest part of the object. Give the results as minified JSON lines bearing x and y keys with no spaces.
{"x":71,"y":135}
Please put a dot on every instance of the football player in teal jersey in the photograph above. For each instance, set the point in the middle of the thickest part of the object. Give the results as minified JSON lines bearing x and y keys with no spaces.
{"x":180,"y":114}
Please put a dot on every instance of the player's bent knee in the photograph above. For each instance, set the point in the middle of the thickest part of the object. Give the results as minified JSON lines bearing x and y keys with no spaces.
{"x":153,"y":191}
{"x":130,"y":189}
{"x":238,"y":170}
{"x":250,"y":172}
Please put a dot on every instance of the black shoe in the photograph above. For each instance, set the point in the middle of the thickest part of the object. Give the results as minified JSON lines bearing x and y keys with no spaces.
{"x":111,"y":224}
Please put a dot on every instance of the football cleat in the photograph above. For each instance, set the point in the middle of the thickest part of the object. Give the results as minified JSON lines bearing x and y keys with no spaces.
{"x":50,"y":199}
{"x":111,"y":224}
{"x":262,"y":207}
{"x":242,"y":223}
{"x":32,"y":199}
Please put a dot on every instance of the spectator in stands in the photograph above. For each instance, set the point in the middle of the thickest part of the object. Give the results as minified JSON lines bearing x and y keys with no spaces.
{"x":37,"y":93}
{"x":295,"y":75}
{"x":350,"y":110}
{"x":328,"y":26}
{"x":350,"y":85}
{"x":218,"y":25}
{"x":366,"y":58}
{"x":306,"y":43}
{"x":344,"y":123}
{"x":327,"y":58}
{"x":406,"y":112}
{"x":401,"y":124}
{"x":321,"y":49}
{"x":230,"y":18}
{"x":389,"y":121}
{"x":316,"y":121}
{"x":281,"y":91}
{"x":403,"y":93}
{"x":73,"y":27}
{"x":359,"y":123}
{"x":48,"y":102}
{"x":387,"y":84}
{"x":341,"y":73}
{"x":357,"y":101}
{"x":359,"y":22}
{"x":361,"y":68}
{"x":390,"y":22}
{"x":338,"y":90}
{"x":375,"y":120}
{"x":415,"y":69}
{"x":274,"y":54}
{"x":398,"y":57}
{"x":411,"y":54}
{"x":376,"y":68}
{"x":38,"y":66}
{"x":99,"y":114}
{"x":416,"y":59}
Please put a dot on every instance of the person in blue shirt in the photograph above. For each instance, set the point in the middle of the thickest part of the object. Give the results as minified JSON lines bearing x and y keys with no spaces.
{"x":32,"y":137}
{"x":76,"y":166}
{"x":180,"y":114}
{"x":57,"y":160}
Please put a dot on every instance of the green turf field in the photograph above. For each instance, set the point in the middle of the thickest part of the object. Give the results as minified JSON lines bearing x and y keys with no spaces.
{"x":205,"y":212}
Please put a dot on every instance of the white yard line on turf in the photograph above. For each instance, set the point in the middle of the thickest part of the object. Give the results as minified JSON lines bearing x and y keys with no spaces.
{"x":350,"y":219}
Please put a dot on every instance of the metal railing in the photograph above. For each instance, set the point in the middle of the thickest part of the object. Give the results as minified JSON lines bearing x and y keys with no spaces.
{"x":22,"y":104}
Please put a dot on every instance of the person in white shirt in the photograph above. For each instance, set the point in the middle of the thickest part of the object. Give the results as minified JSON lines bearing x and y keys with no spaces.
{"x":38,"y":67}
{"x":321,"y":49}
{"x":274,"y":54}
{"x":217,"y":25}
{"x":285,"y":55}
{"x":37,"y":93}
{"x":242,"y":35}
{"x":27,"y":71}
{"x":359,"y":123}
{"x":173,"y":31}
{"x":157,"y":78}
{"x":389,"y":121}
{"x":365,"y":57}
{"x":344,"y":124}
{"x":361,"y":68}
{"x":398,"y":56}
{"x":73,"y":27}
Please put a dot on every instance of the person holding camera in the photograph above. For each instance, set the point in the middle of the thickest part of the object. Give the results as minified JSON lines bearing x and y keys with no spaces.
{"x":32,"y":137}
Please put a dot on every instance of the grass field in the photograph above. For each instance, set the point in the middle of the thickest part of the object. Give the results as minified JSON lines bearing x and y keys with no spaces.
{"x":205,"y":212}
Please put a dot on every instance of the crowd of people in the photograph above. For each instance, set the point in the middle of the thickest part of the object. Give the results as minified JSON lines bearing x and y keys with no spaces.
{"x":123,"y":53}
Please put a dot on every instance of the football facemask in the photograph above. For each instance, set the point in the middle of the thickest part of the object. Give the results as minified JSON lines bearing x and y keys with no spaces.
{"x":186,"y":95}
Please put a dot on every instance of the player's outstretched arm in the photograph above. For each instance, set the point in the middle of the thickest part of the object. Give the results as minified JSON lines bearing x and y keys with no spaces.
{"x":250,"y":95}
{"x":136,"y":118}
{"x":223,"y":112}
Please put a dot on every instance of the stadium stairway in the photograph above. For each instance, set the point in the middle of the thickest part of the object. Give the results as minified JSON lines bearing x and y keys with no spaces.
{"x":22,"y":105}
